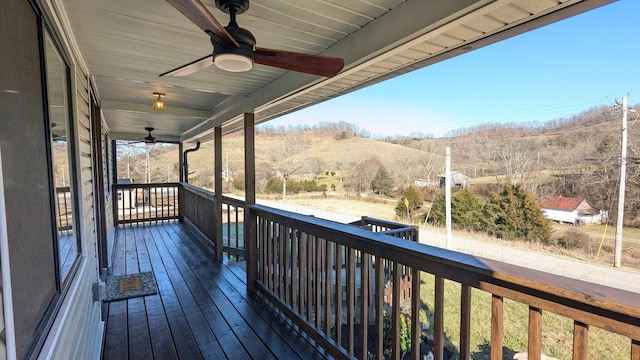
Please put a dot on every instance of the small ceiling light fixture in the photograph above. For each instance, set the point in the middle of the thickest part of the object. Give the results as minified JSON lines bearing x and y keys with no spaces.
{"x":158,"y":104}
{"x":233,"y":62}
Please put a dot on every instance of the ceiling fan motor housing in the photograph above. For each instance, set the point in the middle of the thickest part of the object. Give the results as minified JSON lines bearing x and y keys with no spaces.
{"x":244,"y":38}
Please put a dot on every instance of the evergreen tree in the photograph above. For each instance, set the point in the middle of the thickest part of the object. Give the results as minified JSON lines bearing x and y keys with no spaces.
{"x":467,"y":210}
{"x":515,"y":213}
{"x":382,"y":183}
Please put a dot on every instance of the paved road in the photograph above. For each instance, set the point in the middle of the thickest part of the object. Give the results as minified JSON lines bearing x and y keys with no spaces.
{"x":570,"y":268}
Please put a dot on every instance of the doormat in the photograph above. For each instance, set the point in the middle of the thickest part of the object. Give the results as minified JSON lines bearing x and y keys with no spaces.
{"x":130,"y":286}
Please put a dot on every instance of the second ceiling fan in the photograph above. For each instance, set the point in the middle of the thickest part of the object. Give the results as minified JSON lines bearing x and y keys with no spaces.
{"x":234,"y":47}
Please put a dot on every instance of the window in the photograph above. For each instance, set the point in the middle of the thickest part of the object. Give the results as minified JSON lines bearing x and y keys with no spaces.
{"x":62,"y":164}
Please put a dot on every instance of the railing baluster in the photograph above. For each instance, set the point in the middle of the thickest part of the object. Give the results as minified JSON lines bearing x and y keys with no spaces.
{"x":395,"y":312}
{"x":535,"y":333}
{"x":295,"y":270}
{"x":328,"y":279}
{"x":438,"y":326}
{"x":155,"y":198}
{"x":310,"y":269}
{"x":338,"y":294}
{"x":303,"y":273}
{"x":287,"y":265}
{"x":580,"y":341}
{"x":379,"y":304}
{"x":280,"y":261}
{"x":262,"y":245}
{"x":268,"y":250}
{"x":364,"y":304}
{"x":317,"y":288}
{"x":465,"y":322}
{"x":415,"y":314}
{"x":351,"y":270}
{"x":497,"y":327}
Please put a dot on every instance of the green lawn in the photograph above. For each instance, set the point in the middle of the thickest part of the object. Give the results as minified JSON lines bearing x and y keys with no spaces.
{"x":557,"y":333}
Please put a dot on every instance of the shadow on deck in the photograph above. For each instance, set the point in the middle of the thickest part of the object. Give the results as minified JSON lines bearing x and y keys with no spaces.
{"x":202,"y":309}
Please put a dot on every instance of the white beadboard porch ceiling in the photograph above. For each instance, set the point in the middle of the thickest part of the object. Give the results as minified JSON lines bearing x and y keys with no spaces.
{"x":125,"y":44}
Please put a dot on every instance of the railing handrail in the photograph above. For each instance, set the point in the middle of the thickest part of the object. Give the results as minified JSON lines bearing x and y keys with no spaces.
{"x":612,"y":309}
{"x":145,"y":185}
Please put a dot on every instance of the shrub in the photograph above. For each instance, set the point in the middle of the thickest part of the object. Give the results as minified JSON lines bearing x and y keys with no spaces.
{"x":405,"y":332}
{"x":573,"y":239}
{"x":238,"y":183}
{"x":273,"y":186}
{"x":410,"y":201}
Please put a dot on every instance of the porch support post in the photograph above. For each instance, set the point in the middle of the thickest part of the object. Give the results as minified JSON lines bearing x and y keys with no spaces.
{"x":217,"y":210}
{"x":250,"y":218}
{"x":180,"y":188}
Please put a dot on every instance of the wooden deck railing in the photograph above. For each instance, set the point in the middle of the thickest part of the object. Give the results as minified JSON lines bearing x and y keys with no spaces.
{"x":138,"y":203}
{"x":349,"y":287}
{"x":394,"y":229}
{"x":308,"y":268}
{"x":198,"y":208}
{"x":64,"y":209}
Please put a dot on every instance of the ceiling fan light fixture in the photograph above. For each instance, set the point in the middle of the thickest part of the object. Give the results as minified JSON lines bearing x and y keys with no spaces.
{"x":233,"y":62}
{"x":158,"y":104}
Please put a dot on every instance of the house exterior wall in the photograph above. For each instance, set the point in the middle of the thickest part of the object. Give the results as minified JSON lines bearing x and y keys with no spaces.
{"x":78,"y":328}
{"x":70,"y":326}
{"x":561,"y":216}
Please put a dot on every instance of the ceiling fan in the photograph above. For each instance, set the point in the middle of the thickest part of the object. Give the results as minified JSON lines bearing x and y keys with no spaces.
{"x":149,"y":138}
{"x":234,"y":47}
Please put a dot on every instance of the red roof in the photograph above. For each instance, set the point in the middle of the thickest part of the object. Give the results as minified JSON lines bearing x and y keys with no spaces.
{"x":568,"y":204}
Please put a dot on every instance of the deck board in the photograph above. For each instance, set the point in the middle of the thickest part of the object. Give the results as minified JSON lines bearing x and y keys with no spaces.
{"x":202,"y":309}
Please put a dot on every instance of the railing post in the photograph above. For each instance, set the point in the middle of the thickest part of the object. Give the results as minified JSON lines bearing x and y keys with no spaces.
{"x":497,"y":326}
{"x":535,"y":333}
{"x":217,"y":207}
{"x":250,"y":221}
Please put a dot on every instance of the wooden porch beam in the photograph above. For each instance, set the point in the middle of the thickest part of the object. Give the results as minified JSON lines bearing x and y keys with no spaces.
{"x":250,"y":221}
{"x":217,"y":210}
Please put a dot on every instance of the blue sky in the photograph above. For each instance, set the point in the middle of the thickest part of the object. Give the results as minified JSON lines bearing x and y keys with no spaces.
{"x":548,"y":73}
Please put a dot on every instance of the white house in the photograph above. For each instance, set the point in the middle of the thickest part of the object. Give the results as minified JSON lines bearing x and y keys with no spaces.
{"x":571,"y":210}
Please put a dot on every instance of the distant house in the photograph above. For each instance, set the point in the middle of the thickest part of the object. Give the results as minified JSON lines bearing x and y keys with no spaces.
{"x":421,"y":182}
{"x":458,"y":180}
{"x":577,"y":211}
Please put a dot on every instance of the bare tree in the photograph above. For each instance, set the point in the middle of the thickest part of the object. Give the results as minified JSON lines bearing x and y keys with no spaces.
{"x":286,"y":157}
{"x":314,"y":166}
{"x":363,"y":174}
{"x":513,"y":159}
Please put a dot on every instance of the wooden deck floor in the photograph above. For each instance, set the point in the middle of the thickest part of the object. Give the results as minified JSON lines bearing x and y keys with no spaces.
{"x":202,"y":309}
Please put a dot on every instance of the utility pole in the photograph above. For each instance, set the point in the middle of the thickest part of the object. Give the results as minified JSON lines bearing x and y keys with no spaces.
{"x":623,"y":176}
{"x":447,"y":194}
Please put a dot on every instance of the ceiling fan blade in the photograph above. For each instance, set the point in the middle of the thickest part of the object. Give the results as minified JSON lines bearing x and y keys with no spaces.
{"x":191,"y":67}
{"x":197,"y":13}
{"x":305,"y":63}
